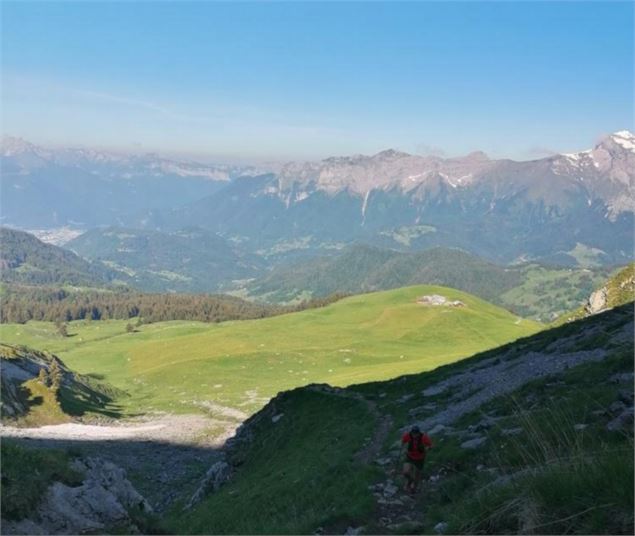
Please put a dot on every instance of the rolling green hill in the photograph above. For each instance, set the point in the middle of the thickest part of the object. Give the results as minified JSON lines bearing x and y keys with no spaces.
{"x":531,"y":290}
{"x":26,"y":260}
{"x":191,"y":366}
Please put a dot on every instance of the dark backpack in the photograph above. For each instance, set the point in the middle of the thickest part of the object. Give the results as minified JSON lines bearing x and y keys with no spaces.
{"x":411,"y":444}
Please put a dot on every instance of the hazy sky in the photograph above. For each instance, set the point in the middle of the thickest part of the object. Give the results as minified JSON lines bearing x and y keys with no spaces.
{"x":305,"y":80}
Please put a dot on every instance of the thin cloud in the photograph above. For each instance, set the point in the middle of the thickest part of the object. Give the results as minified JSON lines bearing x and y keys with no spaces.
{"x":424,"y":149}
{"x":538,"y":151}
{"x":147,"y":105}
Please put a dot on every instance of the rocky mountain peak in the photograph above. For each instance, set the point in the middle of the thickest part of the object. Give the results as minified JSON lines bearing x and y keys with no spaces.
{"x":624,"y":139}
{"x":614,"y":145}
{"x":12,"y":146}
{"x":475,"y":156}
{"x":390,"y":154}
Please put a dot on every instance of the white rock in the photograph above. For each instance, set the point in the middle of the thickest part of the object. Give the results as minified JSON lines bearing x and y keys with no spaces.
{"x":473,"y":443}
{"x":440,"y":528}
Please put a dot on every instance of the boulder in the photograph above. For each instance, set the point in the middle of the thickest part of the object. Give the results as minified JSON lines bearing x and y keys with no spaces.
{"x":439,"y":429}
{"x":474,"y":443}
{"x":434,"y":390}
{"x":597,"y":302}
{"x":103,"y":501}
{"x":440,"y":528}
{"x":622,"y":377}
{"x":390,"y":490}
{"x":617,"y":407}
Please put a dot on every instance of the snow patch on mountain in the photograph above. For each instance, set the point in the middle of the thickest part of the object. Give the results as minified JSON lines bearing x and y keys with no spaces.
{"x":625,"y":139}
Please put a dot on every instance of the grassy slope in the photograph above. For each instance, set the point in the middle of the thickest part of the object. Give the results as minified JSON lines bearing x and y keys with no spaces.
{"x":546,"y":292}
{"x":299,"y":474}
{"x":179,"y":365}
{"x":21,"y":489}
{"x":78,"y":395}
{"x":620,"y":289}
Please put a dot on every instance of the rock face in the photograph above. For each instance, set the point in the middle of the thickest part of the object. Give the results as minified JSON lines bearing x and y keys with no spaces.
{"x":102,"y":502}
{"x":17,"y":365}
{"x":597,"y":302}
{"x":215,"y":477}
{"x":563,"y":201}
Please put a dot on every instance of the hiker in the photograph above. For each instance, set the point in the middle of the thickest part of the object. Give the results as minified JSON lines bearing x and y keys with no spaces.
{"x":416,"y":445}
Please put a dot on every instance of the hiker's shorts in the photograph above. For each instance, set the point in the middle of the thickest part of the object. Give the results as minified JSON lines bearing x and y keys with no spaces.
{"x":417,"y":463}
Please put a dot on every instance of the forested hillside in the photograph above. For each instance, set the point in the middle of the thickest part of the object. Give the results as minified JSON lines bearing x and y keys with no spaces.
{"x":22,"y":303}
{"x":26,"y":260}
{"x":188,"y":260}
{"x":529,"y":289}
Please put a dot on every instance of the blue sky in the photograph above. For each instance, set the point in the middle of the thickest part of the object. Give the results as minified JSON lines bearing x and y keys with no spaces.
{"x":276,"y":80}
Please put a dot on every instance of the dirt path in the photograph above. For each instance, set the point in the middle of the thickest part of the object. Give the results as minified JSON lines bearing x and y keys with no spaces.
{"x":374,"y":446}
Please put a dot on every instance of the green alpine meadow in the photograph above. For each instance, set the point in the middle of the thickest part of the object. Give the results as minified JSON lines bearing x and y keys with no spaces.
{"x":181,"y":366}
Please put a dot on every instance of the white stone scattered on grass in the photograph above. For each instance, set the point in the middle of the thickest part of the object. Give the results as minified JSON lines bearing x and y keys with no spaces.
{"x":474,"y":443}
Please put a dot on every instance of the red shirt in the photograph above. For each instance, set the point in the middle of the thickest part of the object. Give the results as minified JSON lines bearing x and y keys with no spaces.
{"x":414,"y":450}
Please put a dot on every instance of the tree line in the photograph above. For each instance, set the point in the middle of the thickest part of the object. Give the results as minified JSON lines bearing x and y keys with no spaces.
{"x":20,"y":304}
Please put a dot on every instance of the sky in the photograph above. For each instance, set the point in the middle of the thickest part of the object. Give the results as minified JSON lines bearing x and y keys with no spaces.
{"x":294,"y":80}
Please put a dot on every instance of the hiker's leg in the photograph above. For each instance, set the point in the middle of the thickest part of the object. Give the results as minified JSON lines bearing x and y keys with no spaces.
{"x":407,"y":473}
{"x":417,"y":479}
{"x":414,"y":479}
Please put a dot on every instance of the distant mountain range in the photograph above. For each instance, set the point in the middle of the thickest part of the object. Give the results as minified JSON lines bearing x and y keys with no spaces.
{"x":570,"y":209}
{"x":44,"y":188}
